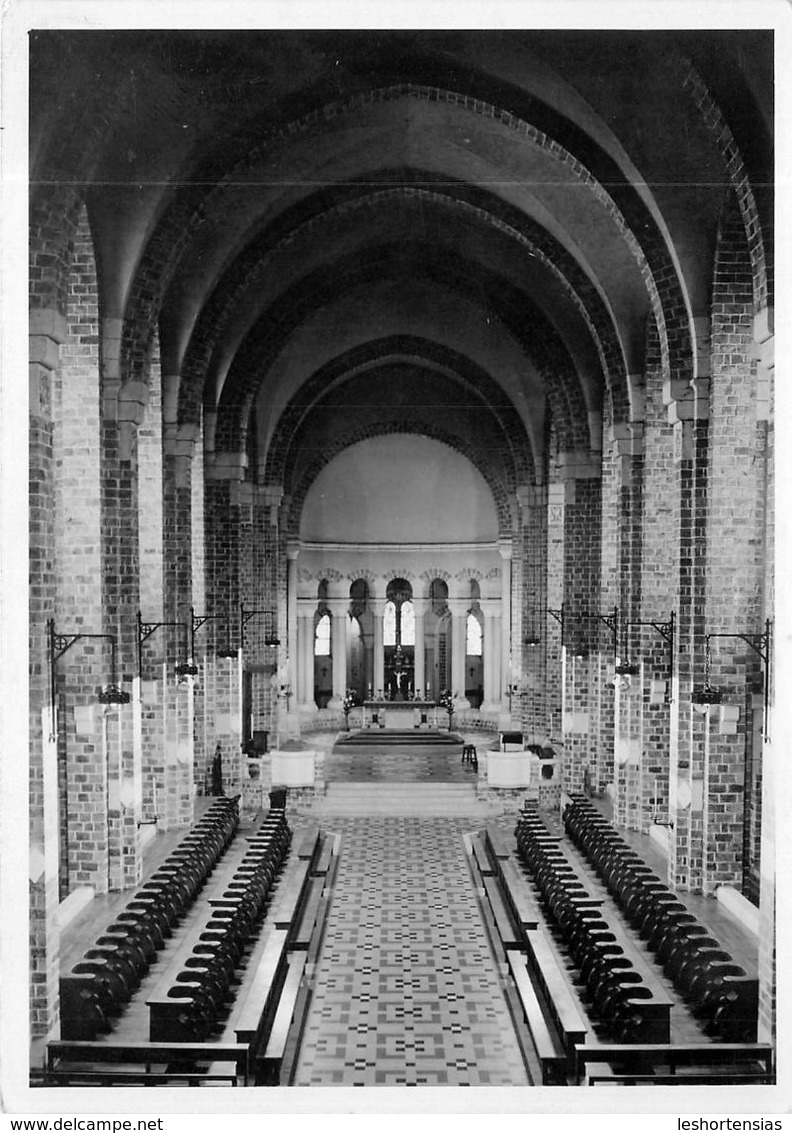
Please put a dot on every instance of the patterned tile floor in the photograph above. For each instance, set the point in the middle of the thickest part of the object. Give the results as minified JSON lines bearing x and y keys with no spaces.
{"x":407,"y":992}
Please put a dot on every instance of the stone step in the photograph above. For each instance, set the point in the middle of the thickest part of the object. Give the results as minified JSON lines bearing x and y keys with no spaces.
{"x":435,"y":799}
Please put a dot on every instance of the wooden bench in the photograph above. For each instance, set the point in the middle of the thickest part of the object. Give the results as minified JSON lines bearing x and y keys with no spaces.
{"x":322,"y":865}
{"x":290,"y":900}
{"x":509,"y":936}
{"x":549,"y":1051}
{"x":254,"y":1018}
{"x":306,"y":845}
{"x":66,"y":1062}
{"x":499,"y":844}
{"x":749,"y":1062}
{"x":304,"y":931}
{"x":267,"y":1066}
{"x":485,"y":867}
{"x":518,"y":896}
{"x":553,"y":982}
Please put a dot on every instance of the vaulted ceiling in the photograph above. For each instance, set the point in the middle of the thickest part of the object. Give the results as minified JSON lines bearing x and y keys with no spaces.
{"x":468,"y":234}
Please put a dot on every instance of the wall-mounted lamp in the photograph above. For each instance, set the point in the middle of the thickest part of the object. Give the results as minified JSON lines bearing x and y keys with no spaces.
{"x":612,"y":622}
{"x":59,"y":643}
{"x":271,"y":639}
{"x":760,"y":643}
{"x":559,"y":615}
{"x":197,"y":621}
{"x":146,"y":629}
{"x":667,"y":631}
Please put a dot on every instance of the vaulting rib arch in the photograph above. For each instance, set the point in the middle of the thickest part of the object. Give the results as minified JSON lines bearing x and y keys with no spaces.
{"x":402,"y":262}
{"x":458,"y":228}
{"x":466,"y":382}
{"x":619,"y":202}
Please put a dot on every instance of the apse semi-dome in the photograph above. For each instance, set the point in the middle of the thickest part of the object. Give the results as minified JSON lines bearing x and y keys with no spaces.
{"x":399,"y":488}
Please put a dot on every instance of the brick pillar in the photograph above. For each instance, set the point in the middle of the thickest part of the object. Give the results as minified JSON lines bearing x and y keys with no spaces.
{"x":47,"y":331}
{"x":765,"y":820}
{"x":223,"y":675}
{"x":629,"y":689}
{"x":738,"y":458}
{"x":293,"y":654}
{"x":581,"y":536}
{"x":536,"y":622}
{"x":659,"y":520}
{"x":505,"y":551}
{"x":120,"y":602}
{"x":556,"y":632}
{"x":688,"y":412}
{"x":85,"y":668}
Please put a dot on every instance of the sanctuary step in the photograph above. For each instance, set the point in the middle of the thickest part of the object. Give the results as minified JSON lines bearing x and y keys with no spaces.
{"x":394,"y":736}
{"x":393,"y":798}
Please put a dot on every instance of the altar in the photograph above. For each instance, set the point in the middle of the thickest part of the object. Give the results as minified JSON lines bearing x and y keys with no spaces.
{"x":400,"y":715}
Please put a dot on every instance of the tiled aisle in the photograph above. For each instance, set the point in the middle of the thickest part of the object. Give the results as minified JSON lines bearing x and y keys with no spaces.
{"x":407,"y":992}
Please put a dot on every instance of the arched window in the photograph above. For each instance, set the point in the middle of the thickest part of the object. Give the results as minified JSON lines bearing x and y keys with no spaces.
{"x":407,"y":623}
{"x":474,"y":637}
{"x":322,"y":637}
{"x":389,"y":624}
{"x":438,"y":592}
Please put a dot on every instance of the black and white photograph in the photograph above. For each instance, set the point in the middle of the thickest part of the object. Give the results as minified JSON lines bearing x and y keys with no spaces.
{"x":393,"y":600}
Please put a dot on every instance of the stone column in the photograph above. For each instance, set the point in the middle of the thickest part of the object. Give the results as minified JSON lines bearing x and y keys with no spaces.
{"x":420,"y":606}
{"x":339,"y":610}
{"x":459,"y":611}
{"x":305,"y":656}
{"x":378,"y":675}
{"x":491,"y":609}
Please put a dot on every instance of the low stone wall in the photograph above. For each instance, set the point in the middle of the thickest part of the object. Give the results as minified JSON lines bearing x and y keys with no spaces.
{"x":302,"y":788}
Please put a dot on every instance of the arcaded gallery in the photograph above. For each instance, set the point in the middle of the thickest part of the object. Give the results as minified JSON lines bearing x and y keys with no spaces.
{"x":401,"y":540}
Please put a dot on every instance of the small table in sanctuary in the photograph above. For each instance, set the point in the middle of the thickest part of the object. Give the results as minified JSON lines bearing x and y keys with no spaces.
{"x":399,"y":714}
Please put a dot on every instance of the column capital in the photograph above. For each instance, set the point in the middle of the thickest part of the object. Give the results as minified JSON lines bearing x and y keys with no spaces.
{"x":531,"y":495}
{"x":459,"y":606}
{"x":225,"y":466}
{"x":47,"y":322}
{"x":292,"y":551}
{"x":579,"y":465}
{"x":272,"y":496}
{"x":338,"y":606}
{"x":505,"y":548}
